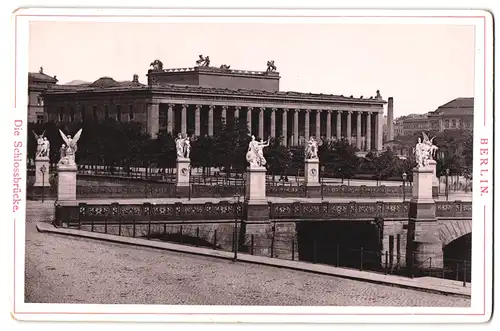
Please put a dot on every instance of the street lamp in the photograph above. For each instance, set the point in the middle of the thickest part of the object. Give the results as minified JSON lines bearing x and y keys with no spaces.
{"x":405,"y":176}
{"x":235,"y":235}
{"x":42,"y":170}
{"x":322,"y":174}
{"x":446,"y":188}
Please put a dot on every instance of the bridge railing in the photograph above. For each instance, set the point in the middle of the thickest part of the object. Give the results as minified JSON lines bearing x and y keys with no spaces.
{"x":225,"y":210}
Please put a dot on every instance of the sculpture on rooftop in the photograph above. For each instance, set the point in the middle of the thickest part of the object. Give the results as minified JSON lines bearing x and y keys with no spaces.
{"x":157,"y":65}
{"x":203,"y":61}
{"x":71,"y":147}
{"x":225,"y":67}
{"x":270,"y":66}
{"x":378,"y":96}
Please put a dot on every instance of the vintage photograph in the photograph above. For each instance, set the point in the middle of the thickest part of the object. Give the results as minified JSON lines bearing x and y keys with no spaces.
{"x":252,"y":163}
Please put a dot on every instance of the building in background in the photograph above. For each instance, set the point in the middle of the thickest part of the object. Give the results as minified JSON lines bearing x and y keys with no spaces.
{"x":194,"y":101}
{"x":38,"y":83}
{"x":458,"y":114}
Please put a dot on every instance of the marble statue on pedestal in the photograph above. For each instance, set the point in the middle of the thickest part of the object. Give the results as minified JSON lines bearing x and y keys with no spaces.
{"x":182,"y":146}
{"x":71,"y":148}
{"x":43,"y":145}
{"x":311,"y":148}
{"x":424,"y":151}
{"x":255,"y":153}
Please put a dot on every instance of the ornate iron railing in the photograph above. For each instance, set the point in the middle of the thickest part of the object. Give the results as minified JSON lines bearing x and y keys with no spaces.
{"x":224,"y":210}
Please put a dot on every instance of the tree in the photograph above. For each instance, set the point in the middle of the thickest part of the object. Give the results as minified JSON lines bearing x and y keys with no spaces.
{"x":383,"y":165}
{"x":230,"y":145}
{"x":344,"y":158}
{"x":467,"y":155}
{"x":278,"y":157}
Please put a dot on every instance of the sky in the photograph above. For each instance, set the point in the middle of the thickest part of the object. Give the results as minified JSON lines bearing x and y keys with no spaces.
{"x":420,"y":66}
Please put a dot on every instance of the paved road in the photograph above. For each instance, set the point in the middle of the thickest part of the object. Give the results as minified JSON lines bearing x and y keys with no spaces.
{"x":69,"y":270}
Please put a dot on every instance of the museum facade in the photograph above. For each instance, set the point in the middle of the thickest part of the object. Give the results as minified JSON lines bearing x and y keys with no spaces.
{"x":195,"y":101}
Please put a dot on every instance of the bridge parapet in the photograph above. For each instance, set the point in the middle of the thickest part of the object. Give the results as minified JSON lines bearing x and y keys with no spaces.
{"x":225,"y":211}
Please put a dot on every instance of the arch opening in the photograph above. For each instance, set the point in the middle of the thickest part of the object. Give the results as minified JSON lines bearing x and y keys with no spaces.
{"x":457,"y":256}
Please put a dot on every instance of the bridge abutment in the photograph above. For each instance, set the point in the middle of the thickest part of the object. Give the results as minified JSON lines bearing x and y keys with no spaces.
{"x":424,"y":248}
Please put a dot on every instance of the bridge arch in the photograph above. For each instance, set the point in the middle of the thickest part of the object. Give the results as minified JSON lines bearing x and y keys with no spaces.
{"x":450,"y":230}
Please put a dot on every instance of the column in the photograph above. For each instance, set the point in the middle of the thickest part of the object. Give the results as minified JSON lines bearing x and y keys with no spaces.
{"x":249,"y":119}
{"x":339,"y":125}
{"x":237,"y":112}
{"x":273,"y":122}
{"x":378,"y":131}
{"x":349,"y":126}
{"x":184,"y":119}
{"x":358,"y":130}
{"x":369,"y":131}
{"x":296,"y":127}
{"x":284,"y":123}
{"x":223,"y":114}
{"x":211,"y":120}
{"x":261,"y":123}
{"x":197,"y":121}
{"x":318,"y":123}
{"x":306,"y":126}
{"x":170,"y":118}
{"x":153,"y":119}
{"x":328,"y":124}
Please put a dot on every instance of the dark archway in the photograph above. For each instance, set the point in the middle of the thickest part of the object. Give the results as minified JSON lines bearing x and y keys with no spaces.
{"x":352,"y":244}
{"x":457,"y":258}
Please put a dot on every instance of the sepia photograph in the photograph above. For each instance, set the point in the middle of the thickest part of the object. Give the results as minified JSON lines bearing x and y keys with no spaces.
{"x":255,"y":162}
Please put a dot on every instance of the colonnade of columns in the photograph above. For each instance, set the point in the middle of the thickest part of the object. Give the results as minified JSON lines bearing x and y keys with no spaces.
{"x":362,"y":128}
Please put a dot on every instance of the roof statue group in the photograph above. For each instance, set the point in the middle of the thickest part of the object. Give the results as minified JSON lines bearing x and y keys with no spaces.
{"x":204,"y":61}
{"x":424,"y":151}
{"x":182,"y":146}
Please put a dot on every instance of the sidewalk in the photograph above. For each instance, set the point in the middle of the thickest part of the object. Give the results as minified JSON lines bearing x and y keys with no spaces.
{"x":430,"y":284}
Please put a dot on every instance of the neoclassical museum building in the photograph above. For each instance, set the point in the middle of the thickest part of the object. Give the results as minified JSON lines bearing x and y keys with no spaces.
{"x":196,"y":100}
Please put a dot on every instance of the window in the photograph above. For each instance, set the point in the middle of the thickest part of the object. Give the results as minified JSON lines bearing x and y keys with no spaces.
{"x":82,"y":114}
{"x":39,"y":119}
{"x":106,"y":112}
{"x":453,"y":123}
{"x":118,"y":113}
{"x":61,"y":114}
{"x":446,"y":124}
{"x":131,"y":113}
{"x":39,"y":101}
{"x":94,"y":113}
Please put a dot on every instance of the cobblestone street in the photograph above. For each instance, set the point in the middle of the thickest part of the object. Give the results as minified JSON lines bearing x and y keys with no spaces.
{"x":70,"y":270}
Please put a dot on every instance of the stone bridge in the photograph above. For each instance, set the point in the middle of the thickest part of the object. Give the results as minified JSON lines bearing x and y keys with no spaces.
{"x":292,"y":229}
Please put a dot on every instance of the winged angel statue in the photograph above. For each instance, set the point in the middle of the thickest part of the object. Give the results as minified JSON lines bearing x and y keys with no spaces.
{"x":68,"y":154}
{"x":43,"y":145}
{"x":425,"y":151}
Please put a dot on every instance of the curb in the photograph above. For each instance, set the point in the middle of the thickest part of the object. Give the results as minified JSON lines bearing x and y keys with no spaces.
{"x":242,"y":257}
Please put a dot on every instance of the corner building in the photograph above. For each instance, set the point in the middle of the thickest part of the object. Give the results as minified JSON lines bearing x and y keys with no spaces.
{"x":196,"y":100}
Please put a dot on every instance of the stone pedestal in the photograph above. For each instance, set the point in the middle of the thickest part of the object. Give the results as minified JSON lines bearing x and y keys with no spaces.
{"x":311,"y":177}
{"x":255,"y":195}
{"x":424,"y":248}
{"x":435,"y":181}
{"x":182,"y":180}
{"x":42,"y":176}
{"x":66,"y":187}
